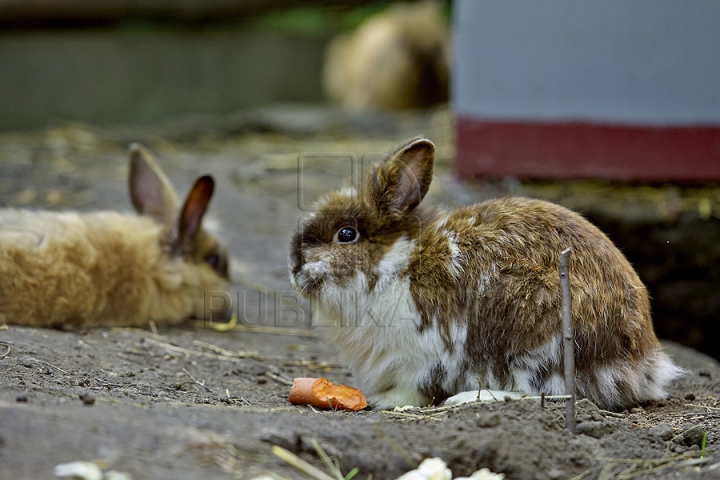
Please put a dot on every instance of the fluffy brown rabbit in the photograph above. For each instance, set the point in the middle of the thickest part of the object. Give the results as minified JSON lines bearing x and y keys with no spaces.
{"x":106,"y":268}
{"x":426,"y":303}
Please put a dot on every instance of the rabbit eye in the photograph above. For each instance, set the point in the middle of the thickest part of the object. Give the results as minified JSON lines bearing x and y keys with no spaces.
{"x":213,"y":260}
{"x":346,"y":235}
{"x":218,"y":262}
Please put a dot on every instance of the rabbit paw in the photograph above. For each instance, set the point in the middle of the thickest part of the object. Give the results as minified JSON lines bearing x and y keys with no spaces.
{"x":481,"y":396}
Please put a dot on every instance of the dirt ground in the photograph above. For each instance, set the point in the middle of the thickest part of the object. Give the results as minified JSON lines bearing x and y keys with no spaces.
{"x":192,"y":402}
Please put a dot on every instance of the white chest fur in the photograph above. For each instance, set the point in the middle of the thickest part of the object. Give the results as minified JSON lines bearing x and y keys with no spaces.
{"x":377,"y":334}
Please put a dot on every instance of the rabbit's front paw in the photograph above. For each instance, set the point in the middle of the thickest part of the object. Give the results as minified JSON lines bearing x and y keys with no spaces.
{"x":481,"y":396}
{"x":398,"y":397}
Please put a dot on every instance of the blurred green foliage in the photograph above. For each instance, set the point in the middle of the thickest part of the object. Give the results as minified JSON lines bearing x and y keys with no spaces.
{"x":323,"y":20}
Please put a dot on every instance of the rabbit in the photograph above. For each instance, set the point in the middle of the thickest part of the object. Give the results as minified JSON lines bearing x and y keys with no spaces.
{"x":397,"y":59}
{"x":424,"y":304}
{"x":71,"y":269}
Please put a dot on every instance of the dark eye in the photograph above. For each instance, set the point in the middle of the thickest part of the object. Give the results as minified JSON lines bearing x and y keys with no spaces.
{"x":219,"y":263}
{"x":213,"y":260}
{"x":347,"y":235}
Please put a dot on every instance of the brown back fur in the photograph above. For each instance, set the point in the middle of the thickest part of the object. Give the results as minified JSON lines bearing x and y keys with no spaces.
{"x":515,"y":244}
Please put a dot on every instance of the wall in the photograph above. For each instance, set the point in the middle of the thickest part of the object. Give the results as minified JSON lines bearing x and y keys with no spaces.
{"x":577,"y":88}
{"x":107,"y":76}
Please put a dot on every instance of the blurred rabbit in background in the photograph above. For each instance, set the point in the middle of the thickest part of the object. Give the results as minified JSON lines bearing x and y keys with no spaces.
{"x":395,"y":60}
{"x":60,"y":269}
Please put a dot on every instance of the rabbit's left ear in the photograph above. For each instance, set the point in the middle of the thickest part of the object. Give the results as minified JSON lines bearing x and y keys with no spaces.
{"x":400,"y":184}
{"x":194,"y":209}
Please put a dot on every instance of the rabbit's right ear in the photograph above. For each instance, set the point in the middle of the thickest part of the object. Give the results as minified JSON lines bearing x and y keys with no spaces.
{"x":150,"y":190}
{"x":194,"y":209}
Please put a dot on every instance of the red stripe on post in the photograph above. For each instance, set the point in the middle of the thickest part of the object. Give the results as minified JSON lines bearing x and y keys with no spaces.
{"x":586,"y":150}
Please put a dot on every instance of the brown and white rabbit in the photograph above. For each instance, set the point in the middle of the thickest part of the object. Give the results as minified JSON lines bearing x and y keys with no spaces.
{"x":423,"y":304}
{"x":107,"y":268}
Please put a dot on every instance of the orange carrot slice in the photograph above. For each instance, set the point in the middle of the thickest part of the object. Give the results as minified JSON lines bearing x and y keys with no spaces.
{"x":320,"y":392}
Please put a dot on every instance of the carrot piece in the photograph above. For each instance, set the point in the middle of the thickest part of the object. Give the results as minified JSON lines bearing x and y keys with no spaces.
{"x":320,"y":392}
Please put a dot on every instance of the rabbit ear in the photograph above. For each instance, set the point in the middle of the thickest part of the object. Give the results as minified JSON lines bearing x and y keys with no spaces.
{"x":150,"y":190}
{"x":400,"y":184}
{"x":195,"y":206}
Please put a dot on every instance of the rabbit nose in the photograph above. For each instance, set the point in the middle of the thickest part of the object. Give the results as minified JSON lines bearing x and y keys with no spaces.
{"x":316,"y":269}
